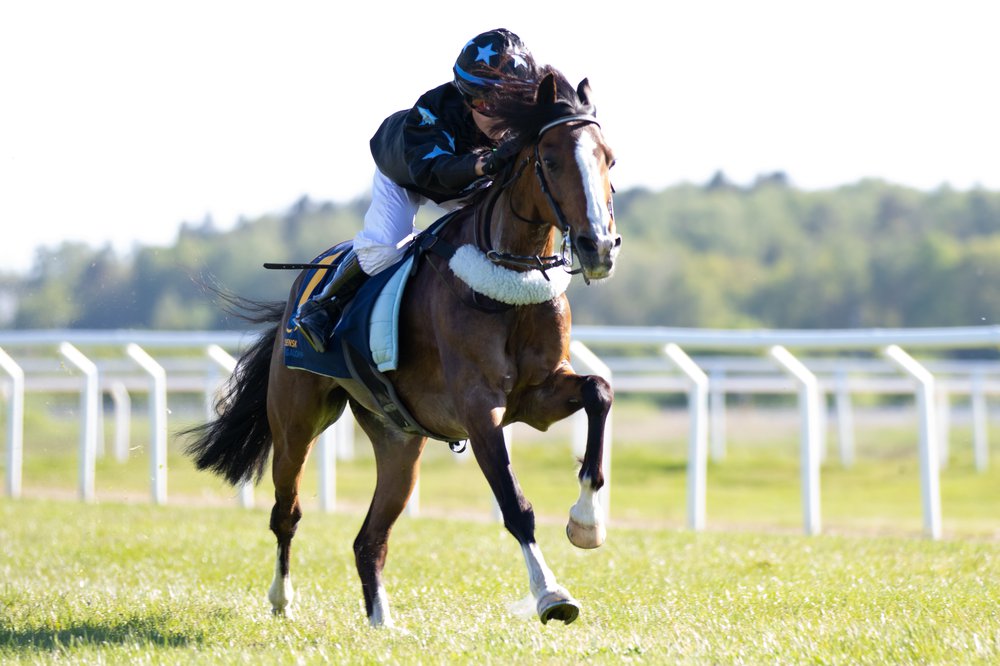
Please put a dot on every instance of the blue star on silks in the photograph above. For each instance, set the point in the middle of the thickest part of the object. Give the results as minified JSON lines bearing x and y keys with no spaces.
{"x":484,"y":53}
{"x":437,"y":152}
{"x":451,"y":141}
{"x":426,"y":117}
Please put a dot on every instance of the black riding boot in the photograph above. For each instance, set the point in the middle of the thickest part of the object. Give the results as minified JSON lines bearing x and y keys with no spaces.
{"x":318,"y":316}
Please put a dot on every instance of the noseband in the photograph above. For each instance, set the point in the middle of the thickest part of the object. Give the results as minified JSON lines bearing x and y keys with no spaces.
{"x":536,"y":262}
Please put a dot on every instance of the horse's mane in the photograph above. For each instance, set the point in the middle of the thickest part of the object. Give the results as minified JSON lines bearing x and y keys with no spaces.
{"x":518,"y":114}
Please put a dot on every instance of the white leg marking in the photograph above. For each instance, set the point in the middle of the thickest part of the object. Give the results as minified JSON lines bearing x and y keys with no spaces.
{"x":281,"y":593}
{"x":586,"y":527}
{"x":540,"y":577}
{"x":551,"y":599}
{"x":380,"y":616}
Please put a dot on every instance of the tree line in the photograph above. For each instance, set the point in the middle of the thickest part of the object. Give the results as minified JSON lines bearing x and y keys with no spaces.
{"x":869,"y":254}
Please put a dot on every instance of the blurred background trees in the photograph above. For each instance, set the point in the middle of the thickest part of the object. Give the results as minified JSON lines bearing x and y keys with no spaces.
{"x":871,"y":254}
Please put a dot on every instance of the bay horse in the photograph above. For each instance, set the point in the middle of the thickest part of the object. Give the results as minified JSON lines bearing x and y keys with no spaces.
{"x":468,"y":366}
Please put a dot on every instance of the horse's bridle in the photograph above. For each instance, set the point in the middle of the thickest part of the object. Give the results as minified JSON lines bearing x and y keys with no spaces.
{"x":539,"y":263}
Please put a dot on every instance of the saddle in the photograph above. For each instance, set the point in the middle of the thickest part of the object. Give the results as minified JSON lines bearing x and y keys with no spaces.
{"x":365,"y":342}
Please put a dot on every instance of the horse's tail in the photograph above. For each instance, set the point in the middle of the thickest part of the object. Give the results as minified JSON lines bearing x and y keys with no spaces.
{"x":237,"y":443}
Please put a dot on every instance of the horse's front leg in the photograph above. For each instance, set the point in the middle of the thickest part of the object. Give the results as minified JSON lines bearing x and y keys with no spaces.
{"x":586,"y":527}
{"x":563,"y":394}
{"x":552,"y":601}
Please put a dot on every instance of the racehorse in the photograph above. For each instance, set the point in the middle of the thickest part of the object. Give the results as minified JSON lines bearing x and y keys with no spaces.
{"x":469,"y":364}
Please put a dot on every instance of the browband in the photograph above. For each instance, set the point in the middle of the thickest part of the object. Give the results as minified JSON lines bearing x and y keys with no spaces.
{"x":583,"y":117}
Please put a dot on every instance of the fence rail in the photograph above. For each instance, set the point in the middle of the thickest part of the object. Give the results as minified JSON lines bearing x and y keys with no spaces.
{"x":156,"y":363}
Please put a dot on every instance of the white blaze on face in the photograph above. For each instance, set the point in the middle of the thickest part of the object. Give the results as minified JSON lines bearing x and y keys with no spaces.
{"x":593,"y":184}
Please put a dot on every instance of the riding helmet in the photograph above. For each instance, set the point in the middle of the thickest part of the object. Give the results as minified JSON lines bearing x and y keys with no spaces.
{"x":490,"y":59}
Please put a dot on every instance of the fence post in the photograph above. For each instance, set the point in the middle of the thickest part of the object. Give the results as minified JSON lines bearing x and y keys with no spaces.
{"x":717,"y":409}
{"x":328,"y":443}
{"x":345,"y":435}
{"x":89,"y":398}
{"x":15,"y":424}
{"x":123,"y":419}
{"x":697,"y":436}
{"x":980,"y":441}
{"x":943,"y":403}
{"x":809,"y":406}
{"x":929,"y":481}
{"x":845,"y":421}
{"x":157,"y":421}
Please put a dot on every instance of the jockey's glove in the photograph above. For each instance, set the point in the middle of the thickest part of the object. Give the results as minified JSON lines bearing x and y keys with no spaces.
{"x":499,"y":158}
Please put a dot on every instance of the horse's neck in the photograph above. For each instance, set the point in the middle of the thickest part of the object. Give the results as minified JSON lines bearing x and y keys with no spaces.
{"x":517,"y":225}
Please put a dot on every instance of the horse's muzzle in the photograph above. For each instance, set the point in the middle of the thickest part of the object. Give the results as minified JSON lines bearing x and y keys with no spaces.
{"x":597,"y":256}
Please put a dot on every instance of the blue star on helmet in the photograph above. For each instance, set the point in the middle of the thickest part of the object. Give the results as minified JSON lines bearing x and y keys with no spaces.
{"x":485,"y":52}
{"x":437,"y":152}
{"x":426,"y":117}
{"x":519,"y":60}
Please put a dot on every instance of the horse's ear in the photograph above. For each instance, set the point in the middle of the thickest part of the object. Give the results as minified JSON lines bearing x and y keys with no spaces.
{"x":583,"y":92}
{"x":546,"y":90}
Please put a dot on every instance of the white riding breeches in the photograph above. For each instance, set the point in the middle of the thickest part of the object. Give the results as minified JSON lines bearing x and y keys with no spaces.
{"x":388,"y":226}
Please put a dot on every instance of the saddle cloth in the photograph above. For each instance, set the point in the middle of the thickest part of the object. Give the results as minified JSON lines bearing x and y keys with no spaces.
{"x":369,"y":323}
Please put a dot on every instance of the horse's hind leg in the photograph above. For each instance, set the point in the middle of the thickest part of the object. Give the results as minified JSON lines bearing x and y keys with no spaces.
{"x":297,"y":414}
{"x":397,"y":462}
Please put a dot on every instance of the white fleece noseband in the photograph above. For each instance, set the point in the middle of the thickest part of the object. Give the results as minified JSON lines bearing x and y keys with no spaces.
{"x":504,"y":285}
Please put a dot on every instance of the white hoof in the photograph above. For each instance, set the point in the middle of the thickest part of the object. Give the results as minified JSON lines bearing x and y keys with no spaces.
{"x":557,"y":605}
{"x":585,"y":536}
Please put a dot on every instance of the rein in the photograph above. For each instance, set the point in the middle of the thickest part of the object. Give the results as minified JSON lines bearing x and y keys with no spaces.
{"x":535,"y":262}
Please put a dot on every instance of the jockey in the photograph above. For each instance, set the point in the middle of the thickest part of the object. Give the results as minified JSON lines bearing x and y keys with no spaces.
{"x":442,"y":149}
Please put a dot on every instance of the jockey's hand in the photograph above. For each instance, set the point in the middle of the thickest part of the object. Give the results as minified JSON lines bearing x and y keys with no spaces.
{"x":499,"y":158}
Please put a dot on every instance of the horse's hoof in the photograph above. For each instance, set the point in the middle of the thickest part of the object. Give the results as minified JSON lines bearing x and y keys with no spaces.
{"x":558,"y":605}
{"x":585,"y":536}
{"x":285,"y":612}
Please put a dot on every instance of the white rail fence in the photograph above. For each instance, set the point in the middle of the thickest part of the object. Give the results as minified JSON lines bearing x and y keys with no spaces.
{"x":157,"y":363}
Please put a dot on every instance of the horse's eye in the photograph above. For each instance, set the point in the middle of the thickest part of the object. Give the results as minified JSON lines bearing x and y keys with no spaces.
{"x":549,"y":164}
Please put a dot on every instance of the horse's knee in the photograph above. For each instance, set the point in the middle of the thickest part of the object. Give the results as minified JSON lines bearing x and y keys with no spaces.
{"x":597,"y":395}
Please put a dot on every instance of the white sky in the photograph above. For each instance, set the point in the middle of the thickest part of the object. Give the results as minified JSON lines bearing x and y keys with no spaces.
{"x":121,"y":119}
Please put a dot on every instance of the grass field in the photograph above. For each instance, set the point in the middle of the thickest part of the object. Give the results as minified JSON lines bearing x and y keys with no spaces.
{"x":136,"y":584}
{"x":125,"y":582}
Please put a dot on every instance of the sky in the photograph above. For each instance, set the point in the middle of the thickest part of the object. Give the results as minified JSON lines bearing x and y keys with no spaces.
{"x":121,"y":120}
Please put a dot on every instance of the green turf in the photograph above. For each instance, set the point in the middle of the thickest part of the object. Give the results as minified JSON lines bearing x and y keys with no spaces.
{"x":138,"y":584}
{"x":123,"y":581}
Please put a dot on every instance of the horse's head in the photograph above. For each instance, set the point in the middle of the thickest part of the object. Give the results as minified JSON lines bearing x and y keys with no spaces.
{"x":572,"y":163}
{"x":570,"y":187}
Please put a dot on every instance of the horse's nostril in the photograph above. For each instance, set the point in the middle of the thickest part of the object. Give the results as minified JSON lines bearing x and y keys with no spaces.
{"x":618,"y":241}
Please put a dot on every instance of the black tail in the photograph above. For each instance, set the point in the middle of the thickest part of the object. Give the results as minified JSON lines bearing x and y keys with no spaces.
{"x":236,"y":445}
